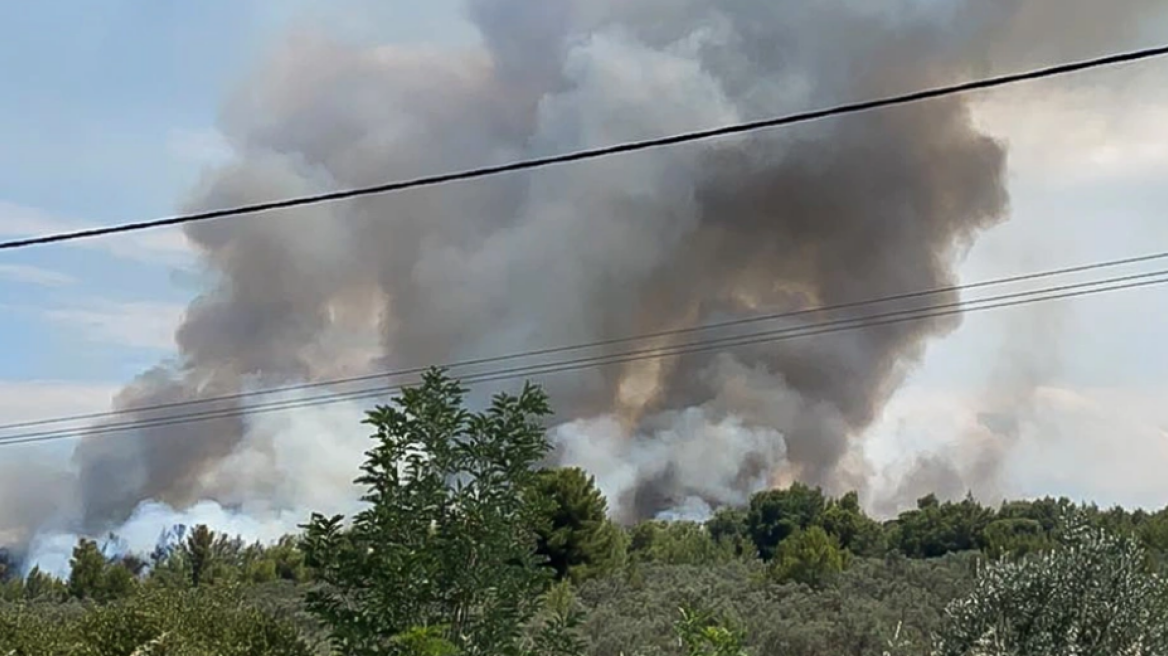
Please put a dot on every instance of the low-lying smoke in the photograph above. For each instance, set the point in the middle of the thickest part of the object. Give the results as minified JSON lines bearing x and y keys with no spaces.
{"x":829,"y":212}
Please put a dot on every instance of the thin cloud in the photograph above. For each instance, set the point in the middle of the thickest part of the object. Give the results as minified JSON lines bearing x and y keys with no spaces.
{"x":33,"y":275}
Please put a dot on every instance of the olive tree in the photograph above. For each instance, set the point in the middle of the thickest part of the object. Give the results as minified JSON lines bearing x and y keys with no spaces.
{"x":1093,"y":594}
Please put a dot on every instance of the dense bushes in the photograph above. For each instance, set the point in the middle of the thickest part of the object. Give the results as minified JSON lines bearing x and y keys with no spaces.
{"x":857,"y":614}
{"x":815,"y":596}
{"x":204,"y":622}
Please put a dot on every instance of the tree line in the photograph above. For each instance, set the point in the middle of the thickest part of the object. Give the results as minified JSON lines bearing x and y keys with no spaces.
{"x":466,"y":546}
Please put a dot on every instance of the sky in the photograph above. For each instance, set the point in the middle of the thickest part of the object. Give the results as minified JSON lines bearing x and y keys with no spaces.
{"x":109,"y":116}
{"x":113,"y":123}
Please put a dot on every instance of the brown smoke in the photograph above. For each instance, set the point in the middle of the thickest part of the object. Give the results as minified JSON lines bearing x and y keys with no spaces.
{"x":831,"y":212}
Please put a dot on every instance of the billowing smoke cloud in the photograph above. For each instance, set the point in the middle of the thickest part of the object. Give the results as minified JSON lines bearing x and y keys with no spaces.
{"x":830,"y":212}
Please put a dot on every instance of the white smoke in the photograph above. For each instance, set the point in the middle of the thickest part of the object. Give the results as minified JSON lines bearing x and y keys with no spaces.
{"x":698,"y":460}
{"x":288,"y":465}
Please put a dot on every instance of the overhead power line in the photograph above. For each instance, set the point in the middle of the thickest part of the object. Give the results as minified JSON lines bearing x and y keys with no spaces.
{"x":462,"y":364}
{"x":697,"y":346}
{"x":739,"y":128}
{"x":562,"y":349}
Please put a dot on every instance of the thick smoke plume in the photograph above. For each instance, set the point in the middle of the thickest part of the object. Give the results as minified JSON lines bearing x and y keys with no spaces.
{"x":831,"y":212}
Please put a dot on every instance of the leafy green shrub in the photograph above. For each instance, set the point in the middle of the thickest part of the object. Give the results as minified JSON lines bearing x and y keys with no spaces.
{"x":205,"y":622}
{"x":1094,"y":594}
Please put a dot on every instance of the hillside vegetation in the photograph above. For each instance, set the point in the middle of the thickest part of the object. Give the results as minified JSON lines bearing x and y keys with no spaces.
{"x":516,"y":560}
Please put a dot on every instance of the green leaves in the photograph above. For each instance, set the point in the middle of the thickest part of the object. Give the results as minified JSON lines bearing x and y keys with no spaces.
{"x":776,"y":514}
{"x":809,"y":557}
{"x":1094,"y":594}
{"x":1011,"y":538}
{"x":94,"y":577}
{"x":677,"y":543}
{"x":87,"y":570}
{"x":206,"y":622}
{"x":448,"y":539}
{"x":701,"y":635}
{"x":574,"y":532}
{"x":935,"y":529}
{"x":425,"y":641}
{"x":556,"y":629}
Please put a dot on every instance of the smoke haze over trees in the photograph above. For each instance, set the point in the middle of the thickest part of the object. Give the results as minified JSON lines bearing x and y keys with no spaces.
{"x":462,"y":540}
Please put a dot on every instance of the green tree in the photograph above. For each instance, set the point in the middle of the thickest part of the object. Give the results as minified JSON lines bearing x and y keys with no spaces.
{"x":203,"y":557}
{"x":1048,"y":512}
{"x":86,"y":570}
{"x":1153,"y":533}
{"x":12,"y":589}
{"x":93,"y":576}
{"x":257,"y":566}
{"x":1014,"y":538}
{"x":575,"y":534}
{"x":1094,"y":594}
{"x":200,"y":549}
{"x":557,"y":627}
{"x":857,"y":532}
{"x":288,"y":560}
{"x":676,"y":543}
{"x":40,"y":585}
{"x":935,"y":529}
{"x":728,"y":527}
{"x":776,"y":514}
{"x":447,"y":540}
{"x":810,"y":557}
{"x":118,"y":582}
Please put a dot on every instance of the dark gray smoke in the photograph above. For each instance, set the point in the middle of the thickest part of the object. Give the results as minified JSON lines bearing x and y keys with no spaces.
{"x":831,"y":212}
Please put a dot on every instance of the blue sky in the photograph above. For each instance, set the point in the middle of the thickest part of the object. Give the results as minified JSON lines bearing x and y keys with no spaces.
{"x":108,"y":117}
{"x":109,"y":113}
{"x":93,"y":128}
